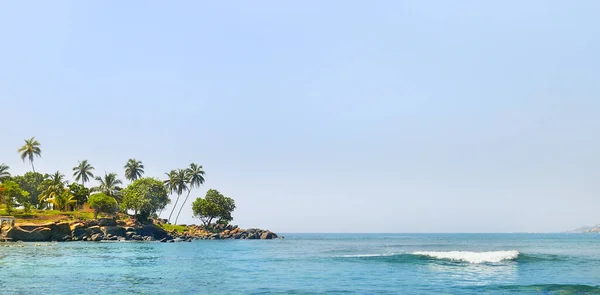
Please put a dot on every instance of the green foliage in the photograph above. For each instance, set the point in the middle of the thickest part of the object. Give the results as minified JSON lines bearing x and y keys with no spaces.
{"x":177,"y":183}
{"x":11,"y":195}
{"x":51,"y":187}
{"x":109,"y":185}
{"x":27,"y":207}
{"x":195,"y":178}
{"x":213,"y":206}
{"x":80,"y":193}
{"x":102,"y":203}
{"x":178,"y":228}
{"x":30,"y":182}
{"x":4,"y":174}
{"x":133,"y":169}
{"x":145,"y":196}
{"x":30,"y":149}
{"x":83,"y":172}
{"x":63,"y":200}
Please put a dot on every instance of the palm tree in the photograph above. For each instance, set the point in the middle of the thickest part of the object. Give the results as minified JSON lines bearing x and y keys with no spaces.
{"x":30,"y":149}
{"x":133,"y":169}
{"x":52,"y":187}
{"x":109,"y":185}
{"x":63,"y":200}
{"x":4,"y":174}
{"x":177,"y":183}
{"x":83,"y":172}
{"x":195,"y":179}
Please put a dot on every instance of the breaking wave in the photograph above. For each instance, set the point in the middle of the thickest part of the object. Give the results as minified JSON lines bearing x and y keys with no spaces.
{"x":472,"y":257}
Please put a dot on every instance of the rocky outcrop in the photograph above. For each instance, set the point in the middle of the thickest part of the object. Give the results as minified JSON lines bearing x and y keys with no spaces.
{"x":107,"y":229}
{"x":221,"y":232}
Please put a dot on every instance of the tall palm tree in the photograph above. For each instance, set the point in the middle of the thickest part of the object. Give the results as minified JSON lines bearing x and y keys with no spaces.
{"x":133,"y":169}
{"x":4,"y":174}
{"x":83,"y":172}
{"x":30,"y":149}
{"x":52,"y":187}
{"x":109,"y":185}
{"x":195,"y":179}
{"x":178,"y":183}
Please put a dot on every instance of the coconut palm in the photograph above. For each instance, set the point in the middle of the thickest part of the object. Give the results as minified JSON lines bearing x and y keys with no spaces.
{"x":83,"y":172}
{"x":178,"y":183}
{"x":4,"y":174}
{"x":63,"y":200}
{"x":30,"y":149}
{"x":195,"y":179}
{"x":52,"y":187}
{"x":133,"y":169}
{"x":109,"y":185}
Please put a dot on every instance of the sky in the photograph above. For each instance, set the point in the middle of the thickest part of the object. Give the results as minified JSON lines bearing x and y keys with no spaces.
{"x":321,"y":116}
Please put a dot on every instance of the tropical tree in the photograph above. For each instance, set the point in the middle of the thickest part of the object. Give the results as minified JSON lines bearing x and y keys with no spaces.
{"x":31,"y":182}
{"x":4,"y":174}
{"x":213,"y":206}
{"x":52,"y":187}
{"x":102,"y":203}
{"x":133,"y":169}
{"x":11,"y":194}
{"x":83,"y":172}
{"x":30,"y":149}
{"x":63,"y":200}
{"x":195,"y":179}
{"x":145,"y":196}
{"x":80,"y":193}
{"x":109,"y":185}
{"x":178,"y":183}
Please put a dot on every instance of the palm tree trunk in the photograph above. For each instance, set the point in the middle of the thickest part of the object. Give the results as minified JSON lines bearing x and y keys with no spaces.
{"x":186,"y":197}
{"x":174,"y":206}
{"x":32,"y":167}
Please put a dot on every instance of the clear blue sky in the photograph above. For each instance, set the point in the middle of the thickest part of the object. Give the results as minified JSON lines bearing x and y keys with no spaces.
{"x":322,"y":116}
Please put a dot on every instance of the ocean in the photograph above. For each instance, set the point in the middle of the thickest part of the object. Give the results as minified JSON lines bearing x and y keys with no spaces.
{"x":311,"y":264}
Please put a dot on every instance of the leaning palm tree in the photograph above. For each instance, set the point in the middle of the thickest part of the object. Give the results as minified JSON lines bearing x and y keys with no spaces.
{"x":109,"y":185}
{"x":178,"y":183}
{"x":52,"y":187}
{"x":133,"y":169}
{"x":4,"y":174}
{"x":30,"y":149}
{"x":195,"y":179}
{"x":83,"y":172}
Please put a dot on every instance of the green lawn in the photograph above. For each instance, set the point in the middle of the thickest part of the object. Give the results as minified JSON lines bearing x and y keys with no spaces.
{"x":178,"y":228}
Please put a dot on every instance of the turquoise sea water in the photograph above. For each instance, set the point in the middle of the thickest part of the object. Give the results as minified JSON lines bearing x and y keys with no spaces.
{"x":311,"y":263}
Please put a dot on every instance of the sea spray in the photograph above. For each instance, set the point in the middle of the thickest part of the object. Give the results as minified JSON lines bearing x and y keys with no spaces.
{"x":472,"y":257}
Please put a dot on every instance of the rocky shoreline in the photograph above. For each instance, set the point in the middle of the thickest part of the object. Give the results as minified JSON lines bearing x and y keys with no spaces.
{"x":106,"y":229}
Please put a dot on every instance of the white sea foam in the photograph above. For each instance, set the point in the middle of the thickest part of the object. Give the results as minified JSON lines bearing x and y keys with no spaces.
{"x":472,"y":257}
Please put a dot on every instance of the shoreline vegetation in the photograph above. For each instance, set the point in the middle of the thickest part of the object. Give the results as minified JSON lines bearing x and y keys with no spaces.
{"x":38,"y":207}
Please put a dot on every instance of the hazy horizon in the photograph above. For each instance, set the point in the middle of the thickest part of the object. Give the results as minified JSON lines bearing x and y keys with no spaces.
{"x":337,"y":116}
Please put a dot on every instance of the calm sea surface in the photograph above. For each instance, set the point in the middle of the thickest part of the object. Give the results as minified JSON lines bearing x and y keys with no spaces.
{"x":311,"y":263}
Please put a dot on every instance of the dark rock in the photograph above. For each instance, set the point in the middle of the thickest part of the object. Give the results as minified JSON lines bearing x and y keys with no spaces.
{"x":93,"y":230}
{"x":39,"y":234}
{"x":129,"y":235}
{"x":107,"y":222}
{"x":137,"y":238}
{"x":92,"y":223}
{"x":153,"y":231}
{"x":267,"y":235}
{"x":113,"y":230}
{"x":163,"y":240}
{"x":96,"y":237}
{"x":121,"y":223}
